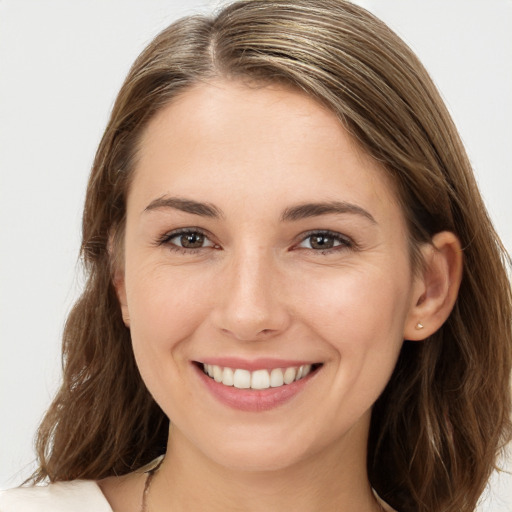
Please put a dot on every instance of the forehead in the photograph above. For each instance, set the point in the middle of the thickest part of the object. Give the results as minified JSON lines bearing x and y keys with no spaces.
{"x":254,"y":141}
{"x":242,"y":113}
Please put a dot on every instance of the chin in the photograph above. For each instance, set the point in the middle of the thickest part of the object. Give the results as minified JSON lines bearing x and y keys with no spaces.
{"x":263,"y":449}
{"x":257,"y":459}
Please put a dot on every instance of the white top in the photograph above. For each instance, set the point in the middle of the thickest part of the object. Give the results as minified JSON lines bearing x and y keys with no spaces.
{"x":74,"y":496}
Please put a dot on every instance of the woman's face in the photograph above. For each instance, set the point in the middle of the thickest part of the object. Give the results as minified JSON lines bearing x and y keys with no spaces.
{"x":259,"y":240}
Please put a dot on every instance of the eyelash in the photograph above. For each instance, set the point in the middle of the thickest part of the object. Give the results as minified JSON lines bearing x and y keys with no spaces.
{"x":344,"y":242}
{"x":166,"y":240}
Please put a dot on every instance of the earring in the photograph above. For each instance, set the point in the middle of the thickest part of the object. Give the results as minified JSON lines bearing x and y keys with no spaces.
{"x":419,"y":326}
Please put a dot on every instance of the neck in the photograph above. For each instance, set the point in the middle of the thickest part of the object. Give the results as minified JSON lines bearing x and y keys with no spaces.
{"x":332,"y":480}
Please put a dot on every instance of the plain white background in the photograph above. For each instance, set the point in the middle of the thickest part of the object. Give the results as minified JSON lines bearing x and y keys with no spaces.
{"x":61,"y":65}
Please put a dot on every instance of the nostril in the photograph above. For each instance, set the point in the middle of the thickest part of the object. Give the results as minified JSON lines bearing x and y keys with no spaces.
{"x":247,"y":334}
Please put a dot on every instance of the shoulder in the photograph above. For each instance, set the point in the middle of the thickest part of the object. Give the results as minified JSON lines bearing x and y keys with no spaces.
{"x":77,"y":495}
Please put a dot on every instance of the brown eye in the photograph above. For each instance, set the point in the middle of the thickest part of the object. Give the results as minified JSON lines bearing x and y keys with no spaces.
{"x":324,"y":241}
{"x":187,"y":239}
{"x":191,"y":240}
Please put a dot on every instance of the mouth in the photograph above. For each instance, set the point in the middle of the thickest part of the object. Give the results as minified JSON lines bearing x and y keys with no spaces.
{"x":257,"y":385}
{"x":259,"y":379}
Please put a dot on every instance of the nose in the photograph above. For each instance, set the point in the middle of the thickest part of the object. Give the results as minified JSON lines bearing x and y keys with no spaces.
{"x":251,"y":304}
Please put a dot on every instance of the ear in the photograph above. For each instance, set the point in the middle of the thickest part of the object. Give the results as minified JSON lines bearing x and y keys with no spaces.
{"x":436,"y":286}
{"x":118,"y":280}
{"x":119,"y":285}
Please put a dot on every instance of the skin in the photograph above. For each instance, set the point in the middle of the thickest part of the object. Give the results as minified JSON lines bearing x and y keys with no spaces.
{"x":259,"y":288}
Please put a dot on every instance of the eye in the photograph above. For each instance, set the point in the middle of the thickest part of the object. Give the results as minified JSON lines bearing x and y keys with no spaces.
{"x":325,"y":240}
{"x":188,"y":239}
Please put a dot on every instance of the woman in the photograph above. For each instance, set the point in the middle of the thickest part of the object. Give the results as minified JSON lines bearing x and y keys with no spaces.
{"x":280,"y":199}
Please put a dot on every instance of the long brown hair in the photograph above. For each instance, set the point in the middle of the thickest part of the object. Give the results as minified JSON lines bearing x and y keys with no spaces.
{"x":445,"y":415}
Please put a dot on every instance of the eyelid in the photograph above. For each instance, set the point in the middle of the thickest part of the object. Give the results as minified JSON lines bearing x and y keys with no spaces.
{"x":168,"y":236}
{"x":346,"y":241}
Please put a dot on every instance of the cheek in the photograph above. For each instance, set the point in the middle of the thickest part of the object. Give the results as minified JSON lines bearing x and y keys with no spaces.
{"x":367,"y":292}
{"x":360,"y":313}
{"x":360,"y":319}
{"x":166,"y":307}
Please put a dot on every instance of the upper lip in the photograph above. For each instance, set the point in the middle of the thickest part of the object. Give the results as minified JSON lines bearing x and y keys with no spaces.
{"x":255,"y":364}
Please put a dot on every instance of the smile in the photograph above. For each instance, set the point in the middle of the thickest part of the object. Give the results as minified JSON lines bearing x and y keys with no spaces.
{"x":257,"y":385}
{"x":258,"y":379}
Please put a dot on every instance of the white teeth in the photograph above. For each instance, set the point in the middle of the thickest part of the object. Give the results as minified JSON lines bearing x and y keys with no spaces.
{"x":228,"y":377}
{"x":259,"y":379}
{"x":303,"y":371}
{"x":289,"y":375}
{"x":242,"y":379}
{"x":217,"y":373}
{"x":276,"y":378}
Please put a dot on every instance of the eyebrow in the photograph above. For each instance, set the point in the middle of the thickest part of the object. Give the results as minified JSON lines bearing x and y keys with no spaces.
{"x":293,"y":213}
{"x":307,"y":210}
{"x":185,"y":205}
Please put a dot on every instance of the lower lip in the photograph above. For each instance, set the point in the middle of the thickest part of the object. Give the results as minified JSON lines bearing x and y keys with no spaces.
{"x":254,"y":400}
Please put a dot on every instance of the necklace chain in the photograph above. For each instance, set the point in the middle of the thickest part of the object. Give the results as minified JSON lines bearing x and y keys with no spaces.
{"x":149,"y":478}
